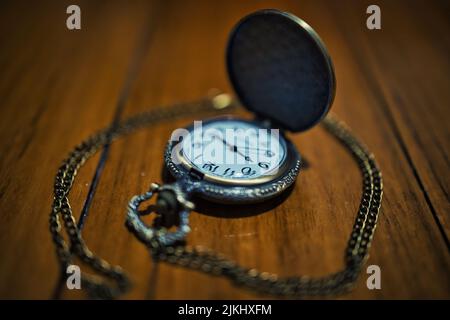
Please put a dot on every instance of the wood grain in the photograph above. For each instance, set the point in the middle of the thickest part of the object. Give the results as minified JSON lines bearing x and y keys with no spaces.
{"x":58,"y":86}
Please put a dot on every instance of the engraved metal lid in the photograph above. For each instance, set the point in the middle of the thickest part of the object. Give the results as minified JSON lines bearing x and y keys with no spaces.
{"x":280,"y":69}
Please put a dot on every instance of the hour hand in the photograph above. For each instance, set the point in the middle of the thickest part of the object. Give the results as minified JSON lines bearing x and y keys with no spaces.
{"x":233,"y":148}
{"x":247,"y":158}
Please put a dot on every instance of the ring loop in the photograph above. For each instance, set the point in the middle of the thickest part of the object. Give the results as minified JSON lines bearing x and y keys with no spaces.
{"x":146,"y":233}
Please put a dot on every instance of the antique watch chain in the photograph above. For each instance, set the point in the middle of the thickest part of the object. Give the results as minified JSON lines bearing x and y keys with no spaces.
{"x":115,"y":282}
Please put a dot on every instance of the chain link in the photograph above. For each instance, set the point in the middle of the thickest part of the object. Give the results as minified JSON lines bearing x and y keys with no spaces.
{"x":111,"y":281}
{"x":296,"y":287}
{"x":95,"y":285}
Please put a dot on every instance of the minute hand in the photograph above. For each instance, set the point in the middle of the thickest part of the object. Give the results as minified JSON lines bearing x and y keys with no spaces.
{"x":250,"y":148}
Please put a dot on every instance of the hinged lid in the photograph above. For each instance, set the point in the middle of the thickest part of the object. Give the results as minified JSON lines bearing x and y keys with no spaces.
{"x":280,"y":69}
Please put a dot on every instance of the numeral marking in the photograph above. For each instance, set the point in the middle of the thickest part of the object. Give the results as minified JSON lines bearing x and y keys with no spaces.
{"x":210,"y":167}
{"x":248,"y":171}
{"x":228,"y":172}
{"x":264,"y":165}
{"x":269,"y":153}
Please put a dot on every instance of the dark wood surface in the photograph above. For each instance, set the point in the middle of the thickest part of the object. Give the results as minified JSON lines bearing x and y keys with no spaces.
{"x":59,"y":86}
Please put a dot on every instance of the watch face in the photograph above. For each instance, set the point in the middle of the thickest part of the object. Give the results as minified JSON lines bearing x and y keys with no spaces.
{"x":232,"y":161}
{"x":233,"y":151}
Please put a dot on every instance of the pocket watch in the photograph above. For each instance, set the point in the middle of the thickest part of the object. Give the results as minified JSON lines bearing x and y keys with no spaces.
{"x":281,"y":72}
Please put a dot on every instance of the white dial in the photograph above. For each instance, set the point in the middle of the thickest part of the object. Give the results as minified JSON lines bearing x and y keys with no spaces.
{"x":234,"y":151}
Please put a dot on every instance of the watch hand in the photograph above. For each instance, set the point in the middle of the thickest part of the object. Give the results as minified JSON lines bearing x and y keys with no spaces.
{"x":250,"y":148}
{"x":268,"y":152}
{"x":233,"y":148}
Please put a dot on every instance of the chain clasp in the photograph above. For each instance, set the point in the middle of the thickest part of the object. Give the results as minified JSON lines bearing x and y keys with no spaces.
{"x":173,"y":208}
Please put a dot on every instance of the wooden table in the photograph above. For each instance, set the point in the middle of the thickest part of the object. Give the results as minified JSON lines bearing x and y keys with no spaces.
{"x":58,"y":86}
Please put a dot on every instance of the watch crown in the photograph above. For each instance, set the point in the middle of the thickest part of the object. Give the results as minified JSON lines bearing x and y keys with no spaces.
{"x":222,"y":101}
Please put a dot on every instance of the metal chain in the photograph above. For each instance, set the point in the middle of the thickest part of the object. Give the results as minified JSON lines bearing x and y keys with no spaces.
{"x":199,"y":257}
{"x":297,"y":287}
{"x":96,"y":286}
